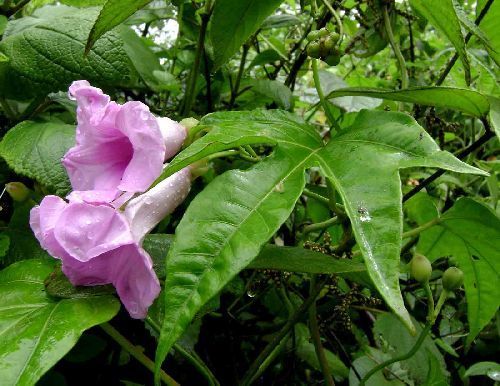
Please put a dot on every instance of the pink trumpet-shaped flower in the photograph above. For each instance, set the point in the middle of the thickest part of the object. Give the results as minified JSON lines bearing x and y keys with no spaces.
{"x":119,"y":148}
{"x":98,"y":244}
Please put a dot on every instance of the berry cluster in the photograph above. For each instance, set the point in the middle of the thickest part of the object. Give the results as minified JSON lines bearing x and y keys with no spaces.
{"x":323,"y":45}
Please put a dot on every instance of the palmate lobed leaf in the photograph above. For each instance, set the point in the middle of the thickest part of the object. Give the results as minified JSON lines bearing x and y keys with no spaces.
{"x":226,"y":225}
{"x":470,"y":233}
{"x":36,"y":331}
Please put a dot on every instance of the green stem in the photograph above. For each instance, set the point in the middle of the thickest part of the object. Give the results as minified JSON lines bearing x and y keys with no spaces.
{"x":270,"y":358}
{"x":397,"y":51}
{"x":430,"y":302}
{"x":191,"y":357}
{"x":316,"y":338}
{"x":136,"y":353}
{"x":321,"y":95}
{"x":321,"y":225}
{"x":200,"y":47}
{"x":241,"y":69}
{"x":221,"y":154}
{"x":442,"y":298}
{"x":257,"y":366}
{"x":399,"y":358}
{"x":420,"y":229}
{"x":337,"y":18}
{"x":316,"y":196}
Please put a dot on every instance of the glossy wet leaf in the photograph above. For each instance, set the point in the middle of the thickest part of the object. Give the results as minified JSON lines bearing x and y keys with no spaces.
{"x":227,"y":224}
{"x":232,"y":23}
{"x":36,"y":331}
{"x":468,"y":101}
{"x":35,"y":149}
{"x":470,"y":233}
{"x":441,"y":14}
{"x":113,"y":13}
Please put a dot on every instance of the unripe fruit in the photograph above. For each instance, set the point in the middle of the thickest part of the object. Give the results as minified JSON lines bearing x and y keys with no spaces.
{"x":453,"y":278}
{"x":329,"y":44}
{"x":334,"y":36}
{"x":332,"y":60}
{"x":313,"y":35}
{"x":420,"y":268}
{"x":18,"y":191}
{"x":313,"y":50}
{"x":323,"y":32}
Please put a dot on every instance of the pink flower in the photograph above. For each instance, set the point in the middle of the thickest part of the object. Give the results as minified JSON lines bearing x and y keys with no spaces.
{"x":98,"y":244}
{"x":119,"y":148}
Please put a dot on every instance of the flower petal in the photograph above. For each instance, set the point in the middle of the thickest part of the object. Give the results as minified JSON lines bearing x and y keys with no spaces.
{"x":140,"y":127}
{"x":174,"y":134}
{"x":144,"y":212}
{"x":86,"y":231}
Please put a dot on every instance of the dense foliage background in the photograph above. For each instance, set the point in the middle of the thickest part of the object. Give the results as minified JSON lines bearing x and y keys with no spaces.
{"x":322,"y":176}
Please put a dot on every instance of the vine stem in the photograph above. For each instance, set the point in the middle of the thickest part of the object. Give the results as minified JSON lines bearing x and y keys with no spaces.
{"x":453,"y":60}
{"x":395,"y":48}
{"x":316,"y":338}
{"x":200,"y":47}
{"x":421,"y":228}
{"x":337,"y":18}
{"x":258,"y":366}
{"x":321,"y":225}
{"x":135,"y":352}
{"x":192,"y":358}
{"x":403,"y":357}
{"x":321,"y":95}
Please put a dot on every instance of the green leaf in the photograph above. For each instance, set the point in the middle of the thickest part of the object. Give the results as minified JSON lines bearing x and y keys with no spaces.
{"x":441,"y":14}
{"x":233,"y":22}
{"x":306,"y":351}
{"x":494,"y":115}
{"x":23,"y":244}
{"x":468,"y":101}
{"x":489,"y":26}
{"x":390,"y":331}
{"x":483,"y":368}
{"x":291,"y":259}
{"x":46,"y":54}
{"x":113,"y":13}
{"x":227,"y":224}
{"x":470,"y":233}
{"x":267,"y":56}
{"x":36,"y":331}
{"x":4,"y":244}
{"x":274,"y":90}
{"x":280,"y":21}
{"x":296,"y":259}
{"x":144,"y":60}
{"x":35,"y":149}
{"x":366,"y":363}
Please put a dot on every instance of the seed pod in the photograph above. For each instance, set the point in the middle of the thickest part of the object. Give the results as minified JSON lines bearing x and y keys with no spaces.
{"x":313,"y":35}
{"x":420,"y":268}
{"x":18,"y":191}
{"x":313,"y":50}
{"x":453,"y":278}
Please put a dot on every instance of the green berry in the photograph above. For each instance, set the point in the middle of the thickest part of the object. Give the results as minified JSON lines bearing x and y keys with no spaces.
{"x":332,"y":60}
{"x":420,"y":268}
{"x":313,"y":35}
{"x":18,"y":191}
{"x":334,"y":36}
{"x":329,"y":44}
{"x":453,"y":278}
{"x":313,"y":50}
{"x":323,"y":32}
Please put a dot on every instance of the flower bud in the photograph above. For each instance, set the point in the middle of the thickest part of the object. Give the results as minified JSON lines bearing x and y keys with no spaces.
{"x":453,"y":278}
{"x":420,"y":268}
{"x":18,"y":191}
